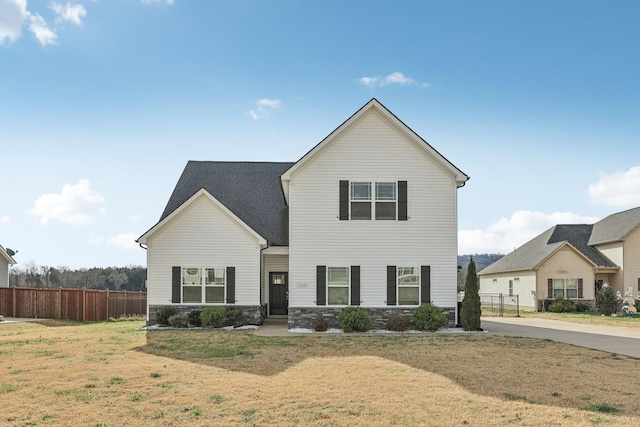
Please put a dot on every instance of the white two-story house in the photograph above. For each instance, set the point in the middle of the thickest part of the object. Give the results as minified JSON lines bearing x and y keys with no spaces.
{"x":368,"y":218}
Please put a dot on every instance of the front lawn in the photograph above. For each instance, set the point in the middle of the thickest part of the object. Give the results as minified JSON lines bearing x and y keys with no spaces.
{"x":114,"y":374}
{"x":591,"y":318}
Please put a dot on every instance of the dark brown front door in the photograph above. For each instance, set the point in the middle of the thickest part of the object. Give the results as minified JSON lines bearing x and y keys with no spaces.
{"x":278,"y":293}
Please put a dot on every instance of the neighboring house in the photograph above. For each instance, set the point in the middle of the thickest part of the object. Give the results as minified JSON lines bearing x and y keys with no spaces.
{"x":570,"y":261}
{"x":5,"y":261}
{"x":368,"y":217}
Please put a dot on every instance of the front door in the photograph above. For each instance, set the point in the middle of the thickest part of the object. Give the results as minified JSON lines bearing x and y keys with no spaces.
{"x":278,"y":293}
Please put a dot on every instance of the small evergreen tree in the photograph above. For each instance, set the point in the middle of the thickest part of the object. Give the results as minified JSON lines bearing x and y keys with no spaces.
{"x":470,"y":316}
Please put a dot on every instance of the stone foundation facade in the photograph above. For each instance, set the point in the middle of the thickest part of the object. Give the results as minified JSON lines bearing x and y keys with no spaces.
{"x":249,"y":314}
{"x":301,"y":317}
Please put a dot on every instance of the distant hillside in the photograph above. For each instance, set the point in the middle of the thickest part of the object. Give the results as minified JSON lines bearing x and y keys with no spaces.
{"x":482,"y":260}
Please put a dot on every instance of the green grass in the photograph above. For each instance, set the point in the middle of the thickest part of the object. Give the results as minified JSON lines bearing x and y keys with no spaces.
{"x":602,"y":407}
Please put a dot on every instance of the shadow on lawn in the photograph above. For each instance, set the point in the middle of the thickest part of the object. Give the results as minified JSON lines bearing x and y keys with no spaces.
{"x":534,"y":371}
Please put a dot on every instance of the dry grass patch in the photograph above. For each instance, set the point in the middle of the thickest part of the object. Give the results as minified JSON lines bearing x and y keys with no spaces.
{"x":114,"y":374}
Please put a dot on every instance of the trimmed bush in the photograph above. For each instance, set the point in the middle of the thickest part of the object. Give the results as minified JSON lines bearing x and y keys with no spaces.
{"x":194,"y":318}
{"x":428,"y":317}
{"x":318,"y":324}
{"x":213,"y":317}
{"x":179,"y":320}
{"x":581,"y":308}
{"x":561,"y":305}
{"x":354,"y":319}
{"x":164,"y":313}
{"x":397,"y":323}
{"x":232,"y":317}
{"x":606,"y":301}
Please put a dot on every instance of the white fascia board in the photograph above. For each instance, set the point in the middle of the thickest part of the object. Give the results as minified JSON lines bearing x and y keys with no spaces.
{"x":202,"y":192}
{"x":276,"y":250}
{"x":6,"y":256}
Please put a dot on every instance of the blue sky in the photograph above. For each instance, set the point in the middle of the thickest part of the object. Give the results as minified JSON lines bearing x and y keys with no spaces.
{"x":102,"y":103}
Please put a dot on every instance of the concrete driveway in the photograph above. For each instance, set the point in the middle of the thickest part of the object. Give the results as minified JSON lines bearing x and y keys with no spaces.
{"x":604,"y":338}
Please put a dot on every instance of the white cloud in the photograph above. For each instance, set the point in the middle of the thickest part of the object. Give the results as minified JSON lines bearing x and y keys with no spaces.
{"x":5,"y":219}
{"x":136,"y":218}
{"x":507,"y":234}
{"x":618,"y":189}
{"x":41,"y":30}
{"x":76,"y":204}
{"x":68,"y":12}
{"x":125,"y":241}
{"x":13,"y":15}
{"x":396,"y":78}
{"x":266,"y":102}
{"x":157,"y":1}
{"x":264,"y":105}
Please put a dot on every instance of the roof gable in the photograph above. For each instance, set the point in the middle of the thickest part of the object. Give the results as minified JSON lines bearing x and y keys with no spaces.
{"x":615,"y":227}
{"x":533,"y":253}
{"x":251,"y":191}
{"x":374,"y":105}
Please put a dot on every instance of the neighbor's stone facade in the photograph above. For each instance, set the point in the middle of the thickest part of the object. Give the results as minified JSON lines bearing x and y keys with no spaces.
{"x":301,"y":317}
{"x":249,"y":314}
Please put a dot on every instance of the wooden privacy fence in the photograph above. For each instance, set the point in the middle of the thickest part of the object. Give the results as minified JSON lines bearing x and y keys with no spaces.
{"x":74,"y":304}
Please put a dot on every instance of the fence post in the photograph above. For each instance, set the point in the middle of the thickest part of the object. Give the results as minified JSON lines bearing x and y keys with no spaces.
{"x":107,"y":304}
{"x":125,"y":303}
{"x":518,"y":305}
{"x":84,"y":304}
{"x":14,"y":303}
{"x":59,"y":303}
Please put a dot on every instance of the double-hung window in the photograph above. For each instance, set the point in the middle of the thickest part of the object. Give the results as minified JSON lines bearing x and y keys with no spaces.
{"x":338,"y":286}
{"x":373,"y":200}
{"x":203,"y":284}
{"x":565,"y":288}
{"x":408,"y":286}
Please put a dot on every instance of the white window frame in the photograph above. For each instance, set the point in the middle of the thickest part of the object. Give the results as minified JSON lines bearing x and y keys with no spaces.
{"x":200,"y":279}
{"x":339,"y":285}
{"x":399,"y":274}
{"x":565,"y":288}
{"x":373,"y":199}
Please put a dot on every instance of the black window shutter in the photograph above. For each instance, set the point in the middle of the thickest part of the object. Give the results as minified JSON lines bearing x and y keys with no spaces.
{"x":550,"y":288}
{"x":231,"y":285}
{"x":402,"y":201}
{"x":344,"y":200}
{"x":425,"y":284}
{"x":321,"y":285}
{"x":639,"y":285}
{"x":355,"y":285}
{"x":176,"y":283}
{"x":391,"y":285}
{"x":580,"y":289}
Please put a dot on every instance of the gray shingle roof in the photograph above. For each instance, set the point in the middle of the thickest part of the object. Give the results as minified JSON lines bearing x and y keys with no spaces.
{"x":616,"y":227}
{"x":534,"y":252}
{"x":251,"y":190}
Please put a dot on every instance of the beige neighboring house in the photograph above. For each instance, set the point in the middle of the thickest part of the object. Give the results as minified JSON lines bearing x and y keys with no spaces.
{"x":570,"y":261}
{"x":5,"y":261}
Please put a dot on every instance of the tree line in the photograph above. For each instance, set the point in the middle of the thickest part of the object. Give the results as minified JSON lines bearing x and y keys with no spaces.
{"x":30,"y":275}
{"x":481,"y":261}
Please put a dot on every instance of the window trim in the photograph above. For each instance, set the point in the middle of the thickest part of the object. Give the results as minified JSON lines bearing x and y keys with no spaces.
{"x":203,"y":285}
{"x":373,"y":200}
{"x":329,"y":285}
{"x":565,"y":288}
{"x":418,"y":284}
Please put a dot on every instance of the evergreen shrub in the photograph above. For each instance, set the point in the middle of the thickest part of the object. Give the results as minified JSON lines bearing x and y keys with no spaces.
{"x":164,"y":313}
{"x":428,"y":317}
{"x":213,"y":317}
{"x":354,"y":319}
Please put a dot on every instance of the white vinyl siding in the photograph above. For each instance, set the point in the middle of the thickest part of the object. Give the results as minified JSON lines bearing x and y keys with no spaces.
{"x":375,"y":150}
{"x":4,"y":273}
{"x":203,"y":235}
{"x":523,"y":282}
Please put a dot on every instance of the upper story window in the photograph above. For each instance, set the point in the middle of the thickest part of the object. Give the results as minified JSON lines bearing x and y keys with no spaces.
{"x":373,"y":200}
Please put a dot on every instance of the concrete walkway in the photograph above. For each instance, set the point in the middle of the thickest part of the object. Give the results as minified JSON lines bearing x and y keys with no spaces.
{"x":605,"y":338}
